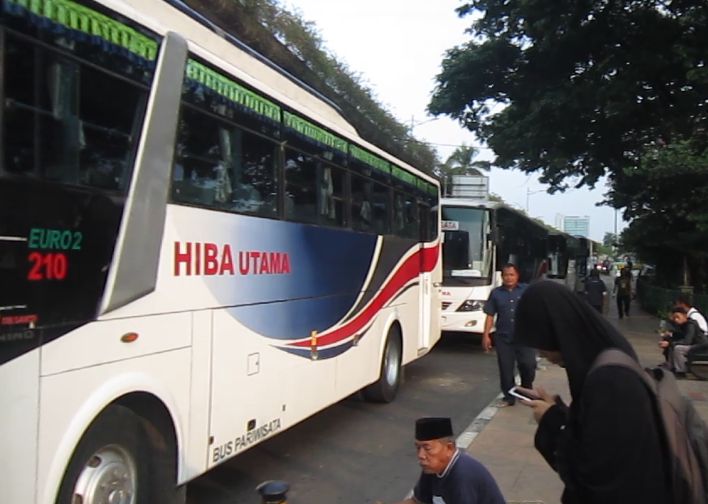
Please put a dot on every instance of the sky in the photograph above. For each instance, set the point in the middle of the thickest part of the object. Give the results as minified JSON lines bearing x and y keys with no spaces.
{"x":397,"y":47}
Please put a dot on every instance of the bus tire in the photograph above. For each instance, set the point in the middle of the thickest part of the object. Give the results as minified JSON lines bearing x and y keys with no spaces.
{"x":384,"y":389}
{"x":114,"y":461}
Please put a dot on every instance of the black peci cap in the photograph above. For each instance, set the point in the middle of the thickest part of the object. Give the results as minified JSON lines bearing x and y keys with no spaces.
{"x":432,"y":428}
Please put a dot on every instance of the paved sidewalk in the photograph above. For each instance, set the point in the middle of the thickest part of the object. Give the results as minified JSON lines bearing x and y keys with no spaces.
{"x":504,"y":442}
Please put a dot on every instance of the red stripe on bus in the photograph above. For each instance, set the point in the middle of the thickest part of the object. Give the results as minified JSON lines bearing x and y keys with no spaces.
{"x":421,"y":262}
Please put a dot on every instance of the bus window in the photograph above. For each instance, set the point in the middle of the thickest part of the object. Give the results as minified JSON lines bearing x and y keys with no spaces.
{"x":405,"y":219}
{"x":222,"y":166}
{"x":60,"y":126}
{"x":330,"y":198}
{"x":370,"y":205}
{"x":314,"y":190}
{"x":466,"y":250}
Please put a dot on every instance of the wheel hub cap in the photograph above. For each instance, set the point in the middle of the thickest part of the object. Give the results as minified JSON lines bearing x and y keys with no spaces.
{"x":109,"y":477}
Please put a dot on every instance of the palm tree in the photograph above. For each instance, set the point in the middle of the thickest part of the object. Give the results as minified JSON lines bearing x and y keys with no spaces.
{"x":461,"y":162}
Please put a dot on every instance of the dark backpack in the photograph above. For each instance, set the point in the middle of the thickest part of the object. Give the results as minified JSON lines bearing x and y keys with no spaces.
{"x":685,"y":433}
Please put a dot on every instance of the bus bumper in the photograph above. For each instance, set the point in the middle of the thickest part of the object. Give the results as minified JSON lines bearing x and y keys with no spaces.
{"x":472,"y":322}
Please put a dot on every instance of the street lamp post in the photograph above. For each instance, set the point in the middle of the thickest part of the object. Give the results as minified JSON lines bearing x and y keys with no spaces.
{"x":529,"y":192}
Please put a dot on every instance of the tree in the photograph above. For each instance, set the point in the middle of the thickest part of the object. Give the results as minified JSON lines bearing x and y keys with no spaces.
{"x":577,"y":89}
{"x":580,"y":89}
{"x":670,"y":227}
{"x":462,"y":162}
{"x":293,"y":44}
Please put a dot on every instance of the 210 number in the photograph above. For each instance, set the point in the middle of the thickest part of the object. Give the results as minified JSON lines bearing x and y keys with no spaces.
{"x":47,"y":266}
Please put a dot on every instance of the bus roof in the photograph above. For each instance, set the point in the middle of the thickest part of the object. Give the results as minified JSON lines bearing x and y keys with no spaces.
{"x":209,"y":42}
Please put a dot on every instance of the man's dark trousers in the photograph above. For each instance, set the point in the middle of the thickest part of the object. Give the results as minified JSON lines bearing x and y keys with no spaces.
{"x":507,"y":354}
{"x":623,"y":305}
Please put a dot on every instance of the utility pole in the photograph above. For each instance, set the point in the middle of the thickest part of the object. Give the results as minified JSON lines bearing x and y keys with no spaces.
{"x":529,"y":192}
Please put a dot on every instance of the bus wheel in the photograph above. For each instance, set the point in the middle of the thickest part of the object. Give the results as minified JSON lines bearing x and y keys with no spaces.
{"x":110,"y":464}
{"x":385,"y":388}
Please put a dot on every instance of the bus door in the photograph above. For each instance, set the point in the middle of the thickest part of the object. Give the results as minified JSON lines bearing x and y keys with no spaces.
{"x":430,"y":303}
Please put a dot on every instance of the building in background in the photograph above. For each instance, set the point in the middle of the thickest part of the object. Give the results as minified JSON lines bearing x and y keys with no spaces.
{"x":577,"y":226}
{"x":558,"y":222}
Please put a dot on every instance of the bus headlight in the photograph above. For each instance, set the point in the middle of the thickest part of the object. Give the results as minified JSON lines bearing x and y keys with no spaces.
{"x":471,"y":305}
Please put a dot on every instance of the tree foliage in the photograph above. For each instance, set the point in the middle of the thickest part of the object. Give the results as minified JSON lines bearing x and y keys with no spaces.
{"x":462,"y":162}
{"x":671,"y":210}
{"x":293,"y":44}
{"x":580,"y":89}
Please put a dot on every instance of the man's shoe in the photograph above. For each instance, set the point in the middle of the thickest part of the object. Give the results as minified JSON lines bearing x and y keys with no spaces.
{"x":680,"y":374}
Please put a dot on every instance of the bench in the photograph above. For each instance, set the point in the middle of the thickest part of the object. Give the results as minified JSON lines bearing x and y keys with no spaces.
{"x":697,"y":361}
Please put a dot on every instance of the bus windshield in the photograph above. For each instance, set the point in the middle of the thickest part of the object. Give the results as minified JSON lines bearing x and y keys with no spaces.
{"x":466,"y":246}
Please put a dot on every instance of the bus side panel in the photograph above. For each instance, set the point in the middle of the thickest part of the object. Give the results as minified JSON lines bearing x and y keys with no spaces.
{"x":407,"y":307}
{"x":101,"y":342}
{"x":197,"y":443}
{"x":70,"y":401}
{"x":18,"y":427}
{"x":430,"y":297}
{"x":360,"y":364}
{"x":248,"y":384}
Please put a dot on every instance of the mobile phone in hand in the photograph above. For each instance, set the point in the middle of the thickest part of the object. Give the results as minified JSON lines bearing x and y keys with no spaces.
{"x":522,"y":394}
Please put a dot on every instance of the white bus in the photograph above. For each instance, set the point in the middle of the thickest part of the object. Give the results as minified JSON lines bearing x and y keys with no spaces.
{"x":479,"y":237}
{"x":196,"y":252}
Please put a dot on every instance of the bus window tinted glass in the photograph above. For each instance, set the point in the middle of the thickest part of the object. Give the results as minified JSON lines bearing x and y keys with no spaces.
{"x":405,"y":215}
{"x":66,"y":121}
{"x":314,"y":190}
{"x":466,"y":249}
{"x":219,"y":165}
{"x":370,"y":205}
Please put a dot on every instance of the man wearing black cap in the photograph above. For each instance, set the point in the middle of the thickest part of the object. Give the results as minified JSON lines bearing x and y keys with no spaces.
{"x":449,"y":476}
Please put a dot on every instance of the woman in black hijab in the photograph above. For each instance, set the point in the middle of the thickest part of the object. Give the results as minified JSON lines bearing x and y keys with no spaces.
{"x":606,"y":447}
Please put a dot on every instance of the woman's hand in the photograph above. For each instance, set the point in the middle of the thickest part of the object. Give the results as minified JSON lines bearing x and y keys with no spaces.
{"x":540,"y":405}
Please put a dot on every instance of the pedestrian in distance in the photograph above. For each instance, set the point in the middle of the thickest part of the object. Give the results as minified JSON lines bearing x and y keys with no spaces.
{"x":503,"y":302}
{"x":449,"y":475}
{"x":607,"y":445}
{"x":676,"y":344}
{"x":623,"y":291}
{"x":595,"y":290}
{"x":692,"y":312}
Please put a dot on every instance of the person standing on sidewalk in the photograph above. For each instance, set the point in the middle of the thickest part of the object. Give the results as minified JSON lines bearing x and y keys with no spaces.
{"x":449,"y":475}
{"x":623,"y":291}
{"x":502,"y":302}
{"x":607,"y":446}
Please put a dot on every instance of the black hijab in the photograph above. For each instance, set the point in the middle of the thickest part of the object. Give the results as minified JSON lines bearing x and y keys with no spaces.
{"x":551,"y":317}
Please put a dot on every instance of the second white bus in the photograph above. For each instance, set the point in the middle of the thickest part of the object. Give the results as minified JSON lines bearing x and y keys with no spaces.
{"x":479,"y":237}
